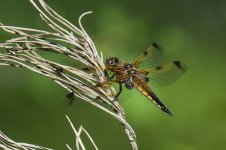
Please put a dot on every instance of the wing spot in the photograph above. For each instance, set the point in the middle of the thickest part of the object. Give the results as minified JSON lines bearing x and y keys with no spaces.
{"x":155,"y":45}
{"x":158,"y":68}
{"x":178,"y":64}
{"x":146,"y":52}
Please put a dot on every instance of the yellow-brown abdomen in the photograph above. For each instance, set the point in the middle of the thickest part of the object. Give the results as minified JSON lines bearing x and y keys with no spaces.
{"x":144,"y":89}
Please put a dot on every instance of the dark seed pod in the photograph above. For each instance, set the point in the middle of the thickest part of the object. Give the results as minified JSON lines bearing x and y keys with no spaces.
{"x":70,"y":96}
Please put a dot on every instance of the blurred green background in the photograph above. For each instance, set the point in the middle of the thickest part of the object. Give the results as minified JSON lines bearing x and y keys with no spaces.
{"x":32,"y":107}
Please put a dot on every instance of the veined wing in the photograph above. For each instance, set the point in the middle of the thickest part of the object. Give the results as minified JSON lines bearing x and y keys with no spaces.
{"x":166,"y":74}
{"x":153,"y":54}
{"x":142,"y":86}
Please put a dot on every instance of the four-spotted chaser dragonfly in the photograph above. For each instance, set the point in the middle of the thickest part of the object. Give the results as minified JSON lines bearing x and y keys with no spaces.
{"x":131,"y":76}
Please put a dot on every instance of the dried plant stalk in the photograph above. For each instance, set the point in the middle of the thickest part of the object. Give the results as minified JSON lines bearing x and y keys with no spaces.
{"x":8,"y":144}
{"x":78,"y":134}
{"x":66,"y":39}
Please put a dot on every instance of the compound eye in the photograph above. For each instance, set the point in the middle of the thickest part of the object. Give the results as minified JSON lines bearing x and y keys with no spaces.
{"x":112,"y":61}
{"x":115,"y":61}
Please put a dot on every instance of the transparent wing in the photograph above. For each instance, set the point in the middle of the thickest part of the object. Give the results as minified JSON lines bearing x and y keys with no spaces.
{"x":166,"y":74}
{"x":150,"y":56}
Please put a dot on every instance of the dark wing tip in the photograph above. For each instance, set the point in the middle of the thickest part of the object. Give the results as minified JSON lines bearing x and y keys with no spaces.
{"x":155,"y":45}
{"x":180,"y":65}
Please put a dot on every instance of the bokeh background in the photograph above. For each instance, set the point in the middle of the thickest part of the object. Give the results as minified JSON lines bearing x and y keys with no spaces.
{"x":32,"y":107}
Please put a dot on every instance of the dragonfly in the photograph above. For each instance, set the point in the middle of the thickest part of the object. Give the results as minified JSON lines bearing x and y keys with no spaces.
{"x":132,"y":76}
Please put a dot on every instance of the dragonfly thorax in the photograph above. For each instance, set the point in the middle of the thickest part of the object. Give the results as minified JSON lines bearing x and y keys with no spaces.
{"x":131,"y":71}
{"x":128,"y":66}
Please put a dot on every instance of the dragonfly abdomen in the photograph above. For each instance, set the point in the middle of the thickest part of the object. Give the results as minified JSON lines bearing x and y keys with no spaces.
{"x":150,"y":95}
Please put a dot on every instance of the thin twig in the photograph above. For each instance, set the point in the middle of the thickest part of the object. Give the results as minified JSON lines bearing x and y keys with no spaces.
{"x":78,"y":135}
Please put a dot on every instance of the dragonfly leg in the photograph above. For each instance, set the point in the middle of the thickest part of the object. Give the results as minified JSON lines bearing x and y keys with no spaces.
{"x":106,"y":74}
{"x":119,"y":92}
{"x":112,"y":77}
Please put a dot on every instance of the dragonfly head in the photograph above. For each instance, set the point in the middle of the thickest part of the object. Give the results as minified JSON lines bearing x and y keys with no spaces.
{"x":112,"y":61}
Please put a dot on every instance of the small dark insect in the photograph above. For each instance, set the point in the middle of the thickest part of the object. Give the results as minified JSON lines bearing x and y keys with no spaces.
{"x":59,"y":69}
{"x":131,"y":76}
{"x":70,"y":96}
